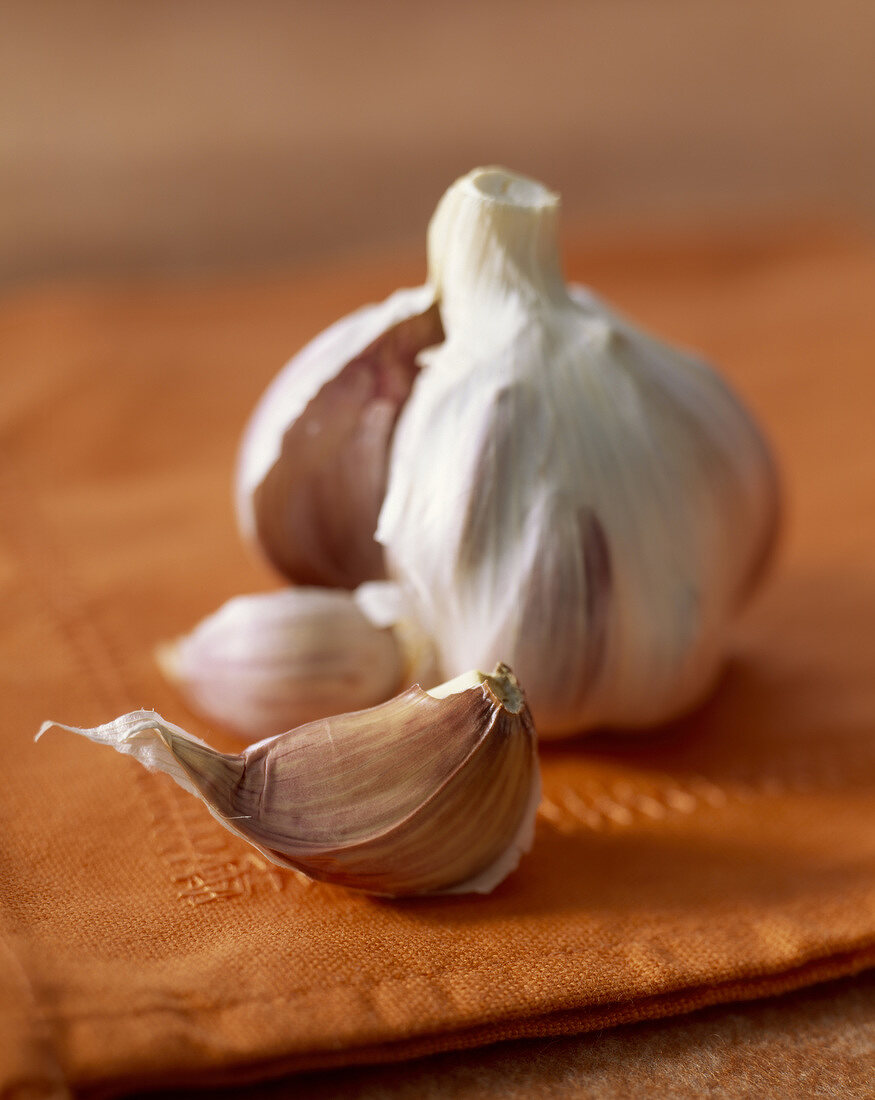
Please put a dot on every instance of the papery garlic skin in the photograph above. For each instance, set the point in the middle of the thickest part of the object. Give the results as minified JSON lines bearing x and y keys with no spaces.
{"x":562,"y":491}
{"x":565,"y":492}
{"x":423,"y":794}
{"x":312,"y":466}
{"x":268,"y":662}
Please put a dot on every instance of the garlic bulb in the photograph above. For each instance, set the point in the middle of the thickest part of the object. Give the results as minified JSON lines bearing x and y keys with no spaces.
{"x":265,"y":663}
{"x":562,"y":491}
{"x":427,"y":793}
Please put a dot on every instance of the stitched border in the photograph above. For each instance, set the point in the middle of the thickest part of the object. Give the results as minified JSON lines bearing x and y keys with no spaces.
{"x":622,"y":804}
{"x":845,"y":956}
{"x":203,"y":862}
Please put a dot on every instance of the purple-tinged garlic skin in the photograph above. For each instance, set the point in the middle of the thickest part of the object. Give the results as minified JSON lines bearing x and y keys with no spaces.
{"x":268,"y":662}
{"x":312,"y":467}
{"x":555,"y":488}
{"x":424,"y":794}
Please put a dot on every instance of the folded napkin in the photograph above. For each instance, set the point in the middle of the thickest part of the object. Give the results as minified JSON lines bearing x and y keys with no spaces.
{"x":728,"y":856}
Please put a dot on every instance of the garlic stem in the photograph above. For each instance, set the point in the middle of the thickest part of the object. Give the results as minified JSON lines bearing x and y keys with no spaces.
{"x":494,"y":234}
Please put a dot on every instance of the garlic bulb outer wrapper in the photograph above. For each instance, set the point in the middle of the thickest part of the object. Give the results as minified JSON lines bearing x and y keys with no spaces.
{"x":565,"y":492}
{"x":422,"y":794}
{"x":312,"y":467}
{"x":268,"y":662}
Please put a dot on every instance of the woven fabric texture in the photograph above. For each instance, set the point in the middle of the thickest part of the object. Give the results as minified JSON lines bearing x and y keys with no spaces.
{"x":728,"y":856}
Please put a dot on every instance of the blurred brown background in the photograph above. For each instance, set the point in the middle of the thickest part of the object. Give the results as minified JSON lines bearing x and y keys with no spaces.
{"x":155,"y":136}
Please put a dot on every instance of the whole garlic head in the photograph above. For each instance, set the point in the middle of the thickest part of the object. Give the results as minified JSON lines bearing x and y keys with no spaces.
{"x":563,"y":492}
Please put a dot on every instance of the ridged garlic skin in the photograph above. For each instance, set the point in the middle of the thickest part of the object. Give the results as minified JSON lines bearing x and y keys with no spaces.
{"x":550,"y":486}
{"x":565,"y":492}
{"x":424,"y":794}
{"x":268,"y":662}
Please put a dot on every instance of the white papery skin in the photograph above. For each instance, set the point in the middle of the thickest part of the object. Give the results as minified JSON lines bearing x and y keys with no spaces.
{"x":555,"y":488}
{"x":566,"y":493}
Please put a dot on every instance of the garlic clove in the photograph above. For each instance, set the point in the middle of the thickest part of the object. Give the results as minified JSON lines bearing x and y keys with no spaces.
{"x":265,"y":663}
{"x":312,"y":466}
{"x":426,"y":793}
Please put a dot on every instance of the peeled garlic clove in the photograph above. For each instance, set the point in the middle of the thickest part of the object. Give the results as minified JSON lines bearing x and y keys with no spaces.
{"x":427,"y":793}
{"x":565,"y":492}
{"x":265,"y":663}
{"x":312,"y":467}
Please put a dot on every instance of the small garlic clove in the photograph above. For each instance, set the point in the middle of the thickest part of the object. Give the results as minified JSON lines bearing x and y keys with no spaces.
{"x":265,"y":663}
{"x":427,"y":793}
{"x":312,"y":466}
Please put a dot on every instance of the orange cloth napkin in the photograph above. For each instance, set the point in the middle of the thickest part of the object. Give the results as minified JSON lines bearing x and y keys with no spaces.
{"x":730,"y":855}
